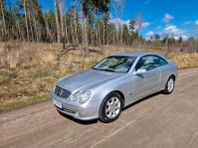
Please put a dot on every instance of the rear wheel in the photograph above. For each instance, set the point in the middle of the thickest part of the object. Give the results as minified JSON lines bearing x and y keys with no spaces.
{"x":170,"y":85}
{"x":111,"y":107}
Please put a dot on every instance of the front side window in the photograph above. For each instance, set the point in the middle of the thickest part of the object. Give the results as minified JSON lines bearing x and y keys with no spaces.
{"x":150,"y":62}
{"x":121,"y":64}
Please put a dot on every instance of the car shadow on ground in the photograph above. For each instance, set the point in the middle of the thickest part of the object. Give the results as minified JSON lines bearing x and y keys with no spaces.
{"x":96,"y":120}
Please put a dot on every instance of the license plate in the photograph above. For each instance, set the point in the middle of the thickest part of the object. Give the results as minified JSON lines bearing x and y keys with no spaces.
{"x":57,"y":103}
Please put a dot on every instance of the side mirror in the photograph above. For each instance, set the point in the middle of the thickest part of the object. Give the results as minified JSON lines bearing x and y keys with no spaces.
{"x":140,"y":72}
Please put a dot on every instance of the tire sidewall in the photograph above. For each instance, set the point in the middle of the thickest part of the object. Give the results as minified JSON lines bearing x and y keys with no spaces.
{"x":166,"y":89}
{"x":102,"y":115}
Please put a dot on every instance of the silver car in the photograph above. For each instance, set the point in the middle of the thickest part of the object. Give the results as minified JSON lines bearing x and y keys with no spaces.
{"x":112,"y":84}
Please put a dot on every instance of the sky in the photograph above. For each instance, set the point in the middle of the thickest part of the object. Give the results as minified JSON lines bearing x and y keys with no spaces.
{"x":175,"y":17}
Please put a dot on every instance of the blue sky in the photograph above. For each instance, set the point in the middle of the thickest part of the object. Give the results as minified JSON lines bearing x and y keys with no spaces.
{"x":175,"y":17}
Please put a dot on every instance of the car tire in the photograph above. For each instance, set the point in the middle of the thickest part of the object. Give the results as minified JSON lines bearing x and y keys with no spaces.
{"x":111,"y":107}
{"x":169,"y":85}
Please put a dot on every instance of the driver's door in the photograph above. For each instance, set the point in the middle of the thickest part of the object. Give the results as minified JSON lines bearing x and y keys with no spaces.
{"x":147,"y":82}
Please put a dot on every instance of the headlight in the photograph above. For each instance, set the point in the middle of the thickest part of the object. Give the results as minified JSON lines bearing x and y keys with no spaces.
{"x":81,"y":96}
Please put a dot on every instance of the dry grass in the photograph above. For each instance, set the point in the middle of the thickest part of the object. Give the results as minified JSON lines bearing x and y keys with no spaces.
{"x":29,"y":71}
{"x":186,"y":60}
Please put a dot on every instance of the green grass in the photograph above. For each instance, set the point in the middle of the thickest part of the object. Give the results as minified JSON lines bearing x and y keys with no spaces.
{"x":42,"y":74}
{"x":17,"y":103}
{"x":6,"y":75}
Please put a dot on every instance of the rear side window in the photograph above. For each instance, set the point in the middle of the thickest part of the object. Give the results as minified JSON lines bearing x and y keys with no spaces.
{"x":158,"y":61}
{"x":150,"y":62}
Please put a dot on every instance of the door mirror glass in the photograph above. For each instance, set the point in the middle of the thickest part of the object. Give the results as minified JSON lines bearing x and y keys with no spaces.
{"x":140,"y":71}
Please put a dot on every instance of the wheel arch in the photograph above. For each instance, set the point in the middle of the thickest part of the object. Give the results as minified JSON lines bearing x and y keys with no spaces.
{"x":120,"y":93}
{"x":173,"y":76}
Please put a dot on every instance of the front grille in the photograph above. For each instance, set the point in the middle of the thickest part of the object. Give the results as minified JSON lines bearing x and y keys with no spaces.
{"x":62,"y":92}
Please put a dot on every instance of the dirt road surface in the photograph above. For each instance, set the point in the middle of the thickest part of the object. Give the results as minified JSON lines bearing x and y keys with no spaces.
{"x":160,"y":121}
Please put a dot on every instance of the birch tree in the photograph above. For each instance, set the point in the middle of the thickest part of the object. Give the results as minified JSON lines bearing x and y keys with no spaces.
{"x":26,"y":20}
{"x":57,"y":21}
{"x":61,"y":22}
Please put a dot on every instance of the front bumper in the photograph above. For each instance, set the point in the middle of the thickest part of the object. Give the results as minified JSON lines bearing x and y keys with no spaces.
{"x":85,"y":111}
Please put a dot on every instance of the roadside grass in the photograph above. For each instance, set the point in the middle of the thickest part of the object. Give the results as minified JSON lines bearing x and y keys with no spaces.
{"x":29,"y":71}
{"x":186,"y":60}
{"x":27,"y":100}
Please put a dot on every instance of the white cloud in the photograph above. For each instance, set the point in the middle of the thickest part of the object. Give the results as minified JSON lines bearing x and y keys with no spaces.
{"x":191,"y":23}
{"x":145,"y":24}
{"x":114,"y":20}
{"x":126,"y":22}
{"x":187,"y":23}
{"x":196,"y":22}
{"x":149,"y":35}
{"x":184,"y":37}
{"x":167,"y":18}
{"x":173,"y":31}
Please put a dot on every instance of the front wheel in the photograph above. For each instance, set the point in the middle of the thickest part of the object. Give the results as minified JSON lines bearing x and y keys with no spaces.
{"x":111,"y":107}
{"x":170,"y":85}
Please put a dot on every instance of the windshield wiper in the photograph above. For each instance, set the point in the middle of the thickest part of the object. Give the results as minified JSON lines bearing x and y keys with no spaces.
{"x":110,"y":70}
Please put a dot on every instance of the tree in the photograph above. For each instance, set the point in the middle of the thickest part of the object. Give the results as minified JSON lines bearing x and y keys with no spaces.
{"x":139,"y":21}
{"x":88,"y":6}
{"x":26,"y":20}
{"x":106,"y":19}
{"x":126,"y":35}
{"x":37,"y":19}
{"x":11,"y":27}
{"x":180,"y":41}
{"x":119,"y":10}
{"x":157,"y":37}
{"x":57,"y":21}
{"x":3,"y":17}
{"x":134,"y":30}
{"x":132,"y":24}
{"x":51,"y":25}
{"x":61,"y":22}
{"x":191,"y":41}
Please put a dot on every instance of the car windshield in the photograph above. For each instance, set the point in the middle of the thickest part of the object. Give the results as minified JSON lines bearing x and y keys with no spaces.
{"x":121,"y":64}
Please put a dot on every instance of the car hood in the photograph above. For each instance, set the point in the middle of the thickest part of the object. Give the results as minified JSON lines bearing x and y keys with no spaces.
{"x":86,"y":79}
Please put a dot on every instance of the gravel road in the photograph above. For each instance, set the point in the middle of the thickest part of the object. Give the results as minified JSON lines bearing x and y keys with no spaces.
{"x":159,"y":121}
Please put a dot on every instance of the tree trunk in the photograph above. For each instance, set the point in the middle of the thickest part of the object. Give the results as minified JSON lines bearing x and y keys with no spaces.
{"x":66,"y":32}
{"x":31,"y":28}
{"x":35,"y":25}
{"x":121,"y":34}
{"x":62,"y":26}
{"x":75,"y":25}
{"x":47,"y":28}
{"x":103,"y":34}
{"x":72,"y":32}
{"x":26,"y":21}
{"x":57,"y":21}
{"x":85,"y":37}
{"x":3,"y":18}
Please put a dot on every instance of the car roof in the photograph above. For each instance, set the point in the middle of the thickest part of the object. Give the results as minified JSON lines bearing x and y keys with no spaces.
{"x":135,"y":54}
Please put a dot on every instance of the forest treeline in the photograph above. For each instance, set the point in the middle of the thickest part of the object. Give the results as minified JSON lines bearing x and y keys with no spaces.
{"x":84,"y":22}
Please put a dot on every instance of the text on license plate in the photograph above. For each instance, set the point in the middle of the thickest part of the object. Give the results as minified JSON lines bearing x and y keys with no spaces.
{"x":57,"y":103}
